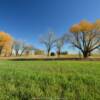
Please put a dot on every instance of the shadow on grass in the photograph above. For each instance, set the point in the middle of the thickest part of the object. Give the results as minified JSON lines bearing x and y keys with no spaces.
{"x":54,"y":59}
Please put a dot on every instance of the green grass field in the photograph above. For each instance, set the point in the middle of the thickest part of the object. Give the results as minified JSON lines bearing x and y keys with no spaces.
{"x":49,"y":80}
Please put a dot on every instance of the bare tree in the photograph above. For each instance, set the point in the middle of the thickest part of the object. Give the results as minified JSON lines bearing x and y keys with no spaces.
{"x":59,"y":44}
{"x":26,"y":49}
{"x":85,"y":36}
{"x":18,"y":47}
{"x":48,"y":41}
{"x":1,"y":47}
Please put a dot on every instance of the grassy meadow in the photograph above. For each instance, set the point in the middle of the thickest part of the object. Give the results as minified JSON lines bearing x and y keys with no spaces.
{"x":49,"y":80}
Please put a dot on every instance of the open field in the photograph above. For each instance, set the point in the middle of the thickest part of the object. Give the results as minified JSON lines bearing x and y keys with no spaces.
{"x":49,"y":80}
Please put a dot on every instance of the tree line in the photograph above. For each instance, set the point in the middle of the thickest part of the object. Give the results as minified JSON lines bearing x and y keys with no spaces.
{"x":85,"y":36}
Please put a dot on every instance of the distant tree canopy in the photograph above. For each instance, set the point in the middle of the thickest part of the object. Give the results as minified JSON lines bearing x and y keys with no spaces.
{"x":85,"y":36}
{"x":5,"y":42}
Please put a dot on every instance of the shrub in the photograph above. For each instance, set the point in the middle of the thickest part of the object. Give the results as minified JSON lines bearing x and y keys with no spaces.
{"x":64,"y":53}
{"x":52,"y":54}
{"x":39,"y":52}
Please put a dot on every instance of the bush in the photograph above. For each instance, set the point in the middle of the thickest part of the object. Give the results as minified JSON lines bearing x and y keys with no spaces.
{"x":52,"y":54}
{"x":64,"y":53}
{"x":39,"y":52}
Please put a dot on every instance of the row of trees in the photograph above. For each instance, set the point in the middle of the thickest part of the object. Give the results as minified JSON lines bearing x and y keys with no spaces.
{"x":9,"y":46}
{"x":50,"y":41}
{"x":84,"y":36}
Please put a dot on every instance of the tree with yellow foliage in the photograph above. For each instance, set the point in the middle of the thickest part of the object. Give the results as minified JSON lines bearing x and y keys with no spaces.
{"x":85,"y":36}
{"x":5,"y":43}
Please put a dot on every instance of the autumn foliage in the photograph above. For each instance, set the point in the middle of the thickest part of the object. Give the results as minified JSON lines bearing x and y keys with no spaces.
{"x":82,"y":26}
{"x":86,"y":36}
{"x":5,"y":43}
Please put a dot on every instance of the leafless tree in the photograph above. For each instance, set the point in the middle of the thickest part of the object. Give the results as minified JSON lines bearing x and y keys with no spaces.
{"x":26,"y":49}
{"x":59,"y":44}
{"x":18,"y":47}
{"x":49,"y":41}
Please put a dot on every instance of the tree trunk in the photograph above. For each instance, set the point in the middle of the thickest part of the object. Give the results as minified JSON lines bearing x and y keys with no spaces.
{"x":16,"y":52}
{"x":85,"y":54}
{"x":58,"y":53}
{"x":0,"y":51}
{"x":22,"y":52}
{"x":48,"y":52}
{"x":11,"y":50}
{"x":1,"y":47}
{"x":89,"y":53}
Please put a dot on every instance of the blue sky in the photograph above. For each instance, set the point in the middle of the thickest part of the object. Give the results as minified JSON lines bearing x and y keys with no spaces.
{"x":29,"y":19}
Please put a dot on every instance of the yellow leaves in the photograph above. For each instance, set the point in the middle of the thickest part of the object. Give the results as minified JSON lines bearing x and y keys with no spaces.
{"x":7,"y":49}
{"x":4,"y":38}
{"x":75,"y":28}
{"x":86,"y":26}
{"x":97,"y":22}
{"x":82,"y":26}
{"x":97,"y":25}
{"x":5,"y":42}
